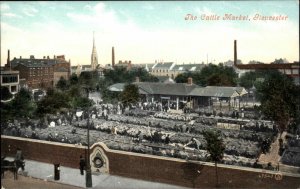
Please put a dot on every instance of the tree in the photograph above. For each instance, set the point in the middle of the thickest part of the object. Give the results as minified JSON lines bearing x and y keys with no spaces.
{"x":253,"y":78}
{"x":215,"y":75}
{"x":183,"y":77}
{"x":215,"y":147}
{"x":89,"y":79}
{"x":5,"y":94}
{"x":22,"y":105}
{"x":53,"y":102}
{"x":121,"y":75}
{"x":130,"y":95}
{"x":62,"y":84}
{"x":73,"y":79}
{"x":279,"y":98}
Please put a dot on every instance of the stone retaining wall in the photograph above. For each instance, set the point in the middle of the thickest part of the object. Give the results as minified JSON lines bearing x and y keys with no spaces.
{"x":153,"y":168}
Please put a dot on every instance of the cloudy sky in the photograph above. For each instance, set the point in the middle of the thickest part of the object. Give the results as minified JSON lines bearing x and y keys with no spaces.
{"x":147,"y":31}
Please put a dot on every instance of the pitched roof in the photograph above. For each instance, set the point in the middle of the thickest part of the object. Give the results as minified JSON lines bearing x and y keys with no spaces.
{"x":181,"y":89}
{"x":165,"y":65}
{"x":117,"y":87}
{"x":32,"y":64}
{"x":217,"y":91}
{"x":188,"y":67}
{"x":165,"y":88}
{"x":29,"y":62}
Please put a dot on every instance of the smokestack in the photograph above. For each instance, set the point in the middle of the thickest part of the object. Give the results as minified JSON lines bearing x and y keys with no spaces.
{"x":8,"y":59}
{"x":235,"y":54}
{"x":113,"y":57}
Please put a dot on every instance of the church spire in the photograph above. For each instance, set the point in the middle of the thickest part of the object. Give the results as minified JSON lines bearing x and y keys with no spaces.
{"x":94,"y":57}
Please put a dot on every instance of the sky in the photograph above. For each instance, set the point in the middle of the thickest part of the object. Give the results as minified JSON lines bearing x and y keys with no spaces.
{"x":145,"y":31}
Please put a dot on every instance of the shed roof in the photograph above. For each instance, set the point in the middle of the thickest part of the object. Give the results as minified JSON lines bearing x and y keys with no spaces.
{"x":216,"y":91}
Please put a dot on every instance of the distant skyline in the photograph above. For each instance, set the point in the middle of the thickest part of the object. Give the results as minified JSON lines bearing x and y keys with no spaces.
{"x":147,"y":31}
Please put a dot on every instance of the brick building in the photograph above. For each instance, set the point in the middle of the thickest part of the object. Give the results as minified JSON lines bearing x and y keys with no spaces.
{"x":289,"y":69}
{"x":40,"y":73}
{"x":36,"y":74}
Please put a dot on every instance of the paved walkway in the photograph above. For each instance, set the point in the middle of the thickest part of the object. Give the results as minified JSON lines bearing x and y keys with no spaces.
{"x":72,"y":177}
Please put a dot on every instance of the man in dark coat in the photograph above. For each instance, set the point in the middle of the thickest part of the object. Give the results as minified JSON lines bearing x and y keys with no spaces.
{"x":81,"y":164}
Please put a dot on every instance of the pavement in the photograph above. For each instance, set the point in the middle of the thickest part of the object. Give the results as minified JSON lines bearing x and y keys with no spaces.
{"x":72,"y":177}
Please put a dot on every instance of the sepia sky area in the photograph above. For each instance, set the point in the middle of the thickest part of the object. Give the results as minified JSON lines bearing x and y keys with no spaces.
{"x":147,"y":31}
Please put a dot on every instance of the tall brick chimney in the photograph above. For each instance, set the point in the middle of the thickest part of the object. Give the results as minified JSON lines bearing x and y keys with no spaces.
{"x":8,"y":59}
{"x":190,"y":81}
{"x":113,"y":57}
{"x":235,"y":54}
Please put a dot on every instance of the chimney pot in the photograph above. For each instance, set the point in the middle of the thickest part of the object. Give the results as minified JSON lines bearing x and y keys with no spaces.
{"x":190,"y":81}
{"x":137,"y":79}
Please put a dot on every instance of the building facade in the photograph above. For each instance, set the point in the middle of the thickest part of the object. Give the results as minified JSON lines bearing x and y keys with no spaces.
{"x":289,"y":69}
{"x":40,"y":73}
{"x":10,"y":79}
{"x":36,"y":74}
{"x":162,"y":69}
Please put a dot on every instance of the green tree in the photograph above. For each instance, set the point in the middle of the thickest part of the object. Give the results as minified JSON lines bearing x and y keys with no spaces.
{"x":62,"y":84}
{"x":183,"y":77}
{"x":279,"y":98}
{"x":53,"y":102}
{"x":215,"y":75}
{"x":89,"y":79}
{"x":22,"y":105}
{"x":130,"y":94}
{"x":215,"y":147}
{"x":82,"y":102}
{"x":6,"y":112}
{"x":253,"y":78}
{"x":121,"y":75}
{"x":5,"y":94}
{"x":73,"y":79}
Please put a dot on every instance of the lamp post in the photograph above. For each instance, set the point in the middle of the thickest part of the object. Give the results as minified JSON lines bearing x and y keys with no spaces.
{"x":88,"y":175}
{"x":88,"y":178}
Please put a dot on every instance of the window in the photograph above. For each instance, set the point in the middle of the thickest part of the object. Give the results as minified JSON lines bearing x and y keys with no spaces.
{"x":9,"y":79}
{"x":13,"y":88}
